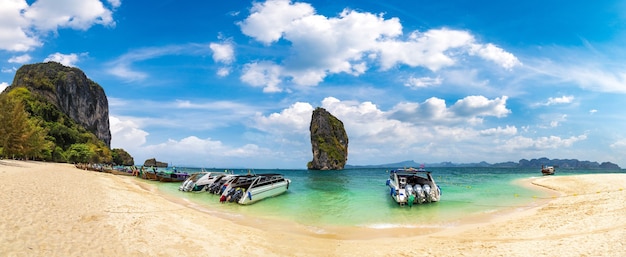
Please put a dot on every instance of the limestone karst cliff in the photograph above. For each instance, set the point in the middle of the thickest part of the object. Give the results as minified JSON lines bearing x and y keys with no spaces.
{"x":329,"y":141}
{"x":69,"y":90}
{"x":152,"y":162}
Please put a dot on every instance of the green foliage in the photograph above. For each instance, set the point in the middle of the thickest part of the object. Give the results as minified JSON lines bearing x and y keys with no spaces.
{"x":80,"y":153}
{"x":121,"y":157}
{"x":20,"y":137}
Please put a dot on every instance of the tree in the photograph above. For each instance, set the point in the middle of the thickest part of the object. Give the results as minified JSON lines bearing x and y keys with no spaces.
{"x":79,"y":153}
{"x":19,"y":135}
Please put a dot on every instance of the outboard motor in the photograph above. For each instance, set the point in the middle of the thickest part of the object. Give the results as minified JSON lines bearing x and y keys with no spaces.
{"x":426,"y":188}
{"x":409,"y":189}
{"x":419,"y":193}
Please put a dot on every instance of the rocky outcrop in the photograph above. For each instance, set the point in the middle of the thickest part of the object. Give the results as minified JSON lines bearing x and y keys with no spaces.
{"x":329,"y":141}
{"x":71,"y":92}
{"x":154,"y":163}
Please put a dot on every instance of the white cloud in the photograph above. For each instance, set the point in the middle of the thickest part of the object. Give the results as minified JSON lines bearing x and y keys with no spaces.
{"x":506,"y":131}
{"x":65,"y":59}
{"x":265,"y":74}
{"x":295,"y":119}
{"x":21,"y":59}
{"x":354,"y":41}
{"x":126,"y":133}
{"x":619,"y":144}
{"x":423,"y":82}
{"x":495,"y":54}
{"x":122,"y":66}
{"x":560,"y":100}
{"x":15,"y":32}
{"x":268,"y":21}
{"x":223,"y":53}
{"x":48,"y":15}
{"x":9,"y":70}
{"x":470,"y":109}
{"x":22,"y":25}
{"x":223,"y":71}
{"x":3,"y":85}
{"x":115,"y":3}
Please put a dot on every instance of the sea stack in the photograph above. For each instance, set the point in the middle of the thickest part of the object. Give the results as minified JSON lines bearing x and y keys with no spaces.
{"x":154,"y":163}
{"x":329,"y":141}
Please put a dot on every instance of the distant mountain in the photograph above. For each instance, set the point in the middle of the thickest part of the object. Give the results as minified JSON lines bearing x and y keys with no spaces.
{"x":523,"y":163}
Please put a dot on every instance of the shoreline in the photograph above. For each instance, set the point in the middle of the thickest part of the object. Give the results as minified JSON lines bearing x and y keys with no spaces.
{"x":57,"y":210}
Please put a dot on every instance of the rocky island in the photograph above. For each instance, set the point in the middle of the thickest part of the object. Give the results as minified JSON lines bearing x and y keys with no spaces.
{"x":329,"y":141}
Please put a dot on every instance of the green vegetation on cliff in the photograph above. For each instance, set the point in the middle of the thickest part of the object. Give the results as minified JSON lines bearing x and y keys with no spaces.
{"x":35,"y":127}
{"x":329,"y":141}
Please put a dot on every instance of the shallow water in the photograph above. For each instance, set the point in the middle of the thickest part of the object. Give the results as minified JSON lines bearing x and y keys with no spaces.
{"x":359,"y":197}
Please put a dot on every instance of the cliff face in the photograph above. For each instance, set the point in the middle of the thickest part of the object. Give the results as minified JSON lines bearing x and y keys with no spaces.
{"x":71,"y":92}
{"x":329,"y":141}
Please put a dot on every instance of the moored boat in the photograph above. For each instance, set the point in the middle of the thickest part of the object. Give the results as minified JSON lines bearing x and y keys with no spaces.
{"x":264,"y":186}
{"x":171,"y":176}
{"x":200,"y":181}
{"x":409,"y":186}
{"x":547,"y":170}
{"x":248,"y":189}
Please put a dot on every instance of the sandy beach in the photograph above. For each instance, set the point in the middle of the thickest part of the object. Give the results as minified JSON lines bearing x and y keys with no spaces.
{"x":57,"y":210}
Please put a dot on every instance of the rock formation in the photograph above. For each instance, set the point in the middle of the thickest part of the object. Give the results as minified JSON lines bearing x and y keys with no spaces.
{"x":329,"y":141}
{"x":71,"y":92}
{"x":154,"y":163}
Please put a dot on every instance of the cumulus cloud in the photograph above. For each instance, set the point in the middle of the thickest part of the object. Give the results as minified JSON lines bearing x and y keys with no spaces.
{"x":22,"y":25}
{"x":21,"y":59}
{"x":354,"y":41}
{"x":48,"y":15}
{"x":559,"y":100}
{"x":470,"y":109}
{"x":126,"y":133}
{"x":65,"y":59}
{"x":295,"y":119}
{"x":223,"y":53}
{"x":263,"y":74}
{"x":493,"y":53}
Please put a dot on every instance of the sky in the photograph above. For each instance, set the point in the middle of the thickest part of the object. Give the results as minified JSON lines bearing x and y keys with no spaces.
{"x":234,"y":83}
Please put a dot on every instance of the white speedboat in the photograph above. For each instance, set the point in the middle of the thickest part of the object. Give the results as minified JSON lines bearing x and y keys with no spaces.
{"x":409,"y":186}
{"x":248,"y":189}
{"x":200,"y":181}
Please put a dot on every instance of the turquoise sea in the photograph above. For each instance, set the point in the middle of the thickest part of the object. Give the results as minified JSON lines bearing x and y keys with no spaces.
{"x":360,"y":198}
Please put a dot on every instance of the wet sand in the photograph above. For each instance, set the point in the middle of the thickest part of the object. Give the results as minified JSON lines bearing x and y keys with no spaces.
{"x":50,"y":209}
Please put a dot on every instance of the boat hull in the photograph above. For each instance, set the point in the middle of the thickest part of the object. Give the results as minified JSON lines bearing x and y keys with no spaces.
{"x":256,"y":194}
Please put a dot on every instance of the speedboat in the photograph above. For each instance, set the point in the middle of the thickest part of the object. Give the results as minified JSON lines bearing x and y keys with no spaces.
{"x":200,"y":181}
{"x":248,"y":189}
{"x":264,"y":186}
{"x":409,"y":186}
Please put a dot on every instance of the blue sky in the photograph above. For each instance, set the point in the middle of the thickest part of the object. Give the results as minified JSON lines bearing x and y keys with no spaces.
{"x":234,"y":83}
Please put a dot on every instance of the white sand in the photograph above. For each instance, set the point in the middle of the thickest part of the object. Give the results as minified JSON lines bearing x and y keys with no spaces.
{"x":52,"y":209}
